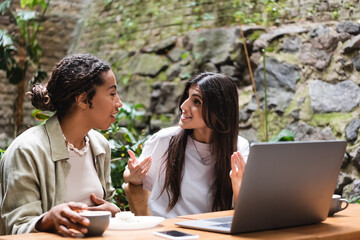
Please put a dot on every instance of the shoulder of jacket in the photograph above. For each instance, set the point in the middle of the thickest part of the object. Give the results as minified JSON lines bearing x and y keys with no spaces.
{"x":99,"y":137}
{"x":97,"y":134}
{"x":31,"y":137}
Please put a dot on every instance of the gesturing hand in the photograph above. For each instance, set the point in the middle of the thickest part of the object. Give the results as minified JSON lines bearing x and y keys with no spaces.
{"x":236,"y":173}
{"x":64,"y":217}
{"x":102,"y":205}
{"x":137,"y":170}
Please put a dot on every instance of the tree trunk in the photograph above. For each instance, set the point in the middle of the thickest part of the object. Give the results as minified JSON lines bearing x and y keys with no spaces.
{"x":22,"y":85}
{"x":19,"y":105}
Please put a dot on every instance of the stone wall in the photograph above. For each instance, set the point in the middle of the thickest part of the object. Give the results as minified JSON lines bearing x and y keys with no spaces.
{"x":135,"y":23}
{"x":114,"y":29}
{"x":57,"y":38}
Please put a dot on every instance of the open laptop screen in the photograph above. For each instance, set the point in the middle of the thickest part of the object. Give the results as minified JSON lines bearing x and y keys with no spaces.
{"x":285,"y":184}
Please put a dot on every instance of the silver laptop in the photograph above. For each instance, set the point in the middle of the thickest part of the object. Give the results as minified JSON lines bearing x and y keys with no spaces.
{"x":285,"y":184}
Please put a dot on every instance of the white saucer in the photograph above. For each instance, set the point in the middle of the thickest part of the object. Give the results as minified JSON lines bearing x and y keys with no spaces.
{"x":141,"y":222}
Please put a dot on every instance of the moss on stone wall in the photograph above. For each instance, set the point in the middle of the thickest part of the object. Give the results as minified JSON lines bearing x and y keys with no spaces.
{"x":336,"y":120}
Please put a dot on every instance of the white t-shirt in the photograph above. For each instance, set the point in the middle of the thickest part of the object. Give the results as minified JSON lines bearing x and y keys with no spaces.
{"x":82,"y":179}
{"x":196,"y":196}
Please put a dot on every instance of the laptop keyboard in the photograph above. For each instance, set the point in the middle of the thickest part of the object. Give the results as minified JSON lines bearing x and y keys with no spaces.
{"x":221,"y":220}
{"x":225,"y":225}
{"x":224,"y":222}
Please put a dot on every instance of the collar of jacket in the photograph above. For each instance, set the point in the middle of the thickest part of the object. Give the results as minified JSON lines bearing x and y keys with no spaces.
{"x":57,"y":143}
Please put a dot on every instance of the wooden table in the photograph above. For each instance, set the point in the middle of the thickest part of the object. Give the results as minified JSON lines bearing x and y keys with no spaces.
{"x":344,"y":225}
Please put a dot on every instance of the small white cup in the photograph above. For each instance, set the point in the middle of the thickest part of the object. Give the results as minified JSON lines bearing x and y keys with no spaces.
{"x":337,"y":204}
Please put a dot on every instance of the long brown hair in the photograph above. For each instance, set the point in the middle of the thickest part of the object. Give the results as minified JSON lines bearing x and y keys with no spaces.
{"x":220,"y":112}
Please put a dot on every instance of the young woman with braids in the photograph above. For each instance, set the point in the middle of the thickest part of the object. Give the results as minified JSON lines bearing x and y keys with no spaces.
{"x":51,"y":172}
{"x":187,"y":167}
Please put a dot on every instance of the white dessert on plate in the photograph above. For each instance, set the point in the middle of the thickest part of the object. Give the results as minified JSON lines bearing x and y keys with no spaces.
{"x":128,"y":221}
{"x":126,"y":216}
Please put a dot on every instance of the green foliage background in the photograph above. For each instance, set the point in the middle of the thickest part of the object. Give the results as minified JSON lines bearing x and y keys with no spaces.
{"x":123,"y":138}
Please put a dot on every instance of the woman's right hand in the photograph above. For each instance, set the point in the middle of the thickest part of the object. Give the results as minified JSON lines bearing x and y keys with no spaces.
{"x":136,"y":171}
{"x":62,"y":218}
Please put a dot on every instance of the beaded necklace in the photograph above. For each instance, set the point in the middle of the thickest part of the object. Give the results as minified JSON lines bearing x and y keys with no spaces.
{"x":71,"y":146}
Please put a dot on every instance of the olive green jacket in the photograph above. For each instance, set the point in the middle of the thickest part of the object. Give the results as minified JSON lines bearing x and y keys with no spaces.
{"x":33,"y":171}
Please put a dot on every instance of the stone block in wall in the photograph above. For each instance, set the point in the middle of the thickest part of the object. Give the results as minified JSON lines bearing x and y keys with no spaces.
{"x":291,"y":44}
{"x":175,"y":55}
{"x":276,"y":33}
{"x":348,"y":27}
{"x":317,"y":58}
{"x":212,"y":45}
{"x":352,"y":190}
{"x":146,"y":65}
{"x":352,"y":130}
{"x":173,"y":71}
{"x":137,"y":91}
{"x":343,"y":180}
{"x":279,"y":75}
{"x":356,"y":62}
{"x":232,"y":72}
{"x":160,"y":47}
{"x":352,"y":45}
{"x":341,"y":97}
{"x":168,"y":98}
{"x":304,"y":132}
{"x":209,"y":67}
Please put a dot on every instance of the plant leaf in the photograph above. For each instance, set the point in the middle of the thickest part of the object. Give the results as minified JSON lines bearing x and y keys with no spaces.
{"x":128,"y":135}
{"x":32,"y":3}
{"x":283,"y":135}
{"x":39,"y":115}
{"x":14,"y":75}
{"x":26,"y":15}
{"x":4,"y":6}
{"x":5,"y":39}
{"x":39,"y":76}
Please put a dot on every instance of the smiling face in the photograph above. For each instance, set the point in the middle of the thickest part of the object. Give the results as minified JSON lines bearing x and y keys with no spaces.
{"x":191,"y":112}
{"x":105,"y":103}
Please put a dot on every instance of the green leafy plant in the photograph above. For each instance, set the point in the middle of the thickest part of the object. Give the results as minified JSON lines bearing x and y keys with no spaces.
{"x":21,"y":54}
{"x":272,"y":11}
{"x":1,"y":153}
{"x":355,"y":200}
{"x":41,"y":116}
{"x":283,"y":136}
{"x":263,"y":12}
{"x":123,"y":138}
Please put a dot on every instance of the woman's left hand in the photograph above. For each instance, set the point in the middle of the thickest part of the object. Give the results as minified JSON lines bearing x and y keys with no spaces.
{"x":236,"y":173}
{"x":102,"y":205}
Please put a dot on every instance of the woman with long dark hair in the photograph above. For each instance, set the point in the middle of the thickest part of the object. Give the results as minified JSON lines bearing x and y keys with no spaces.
{"x":187,"y":167}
